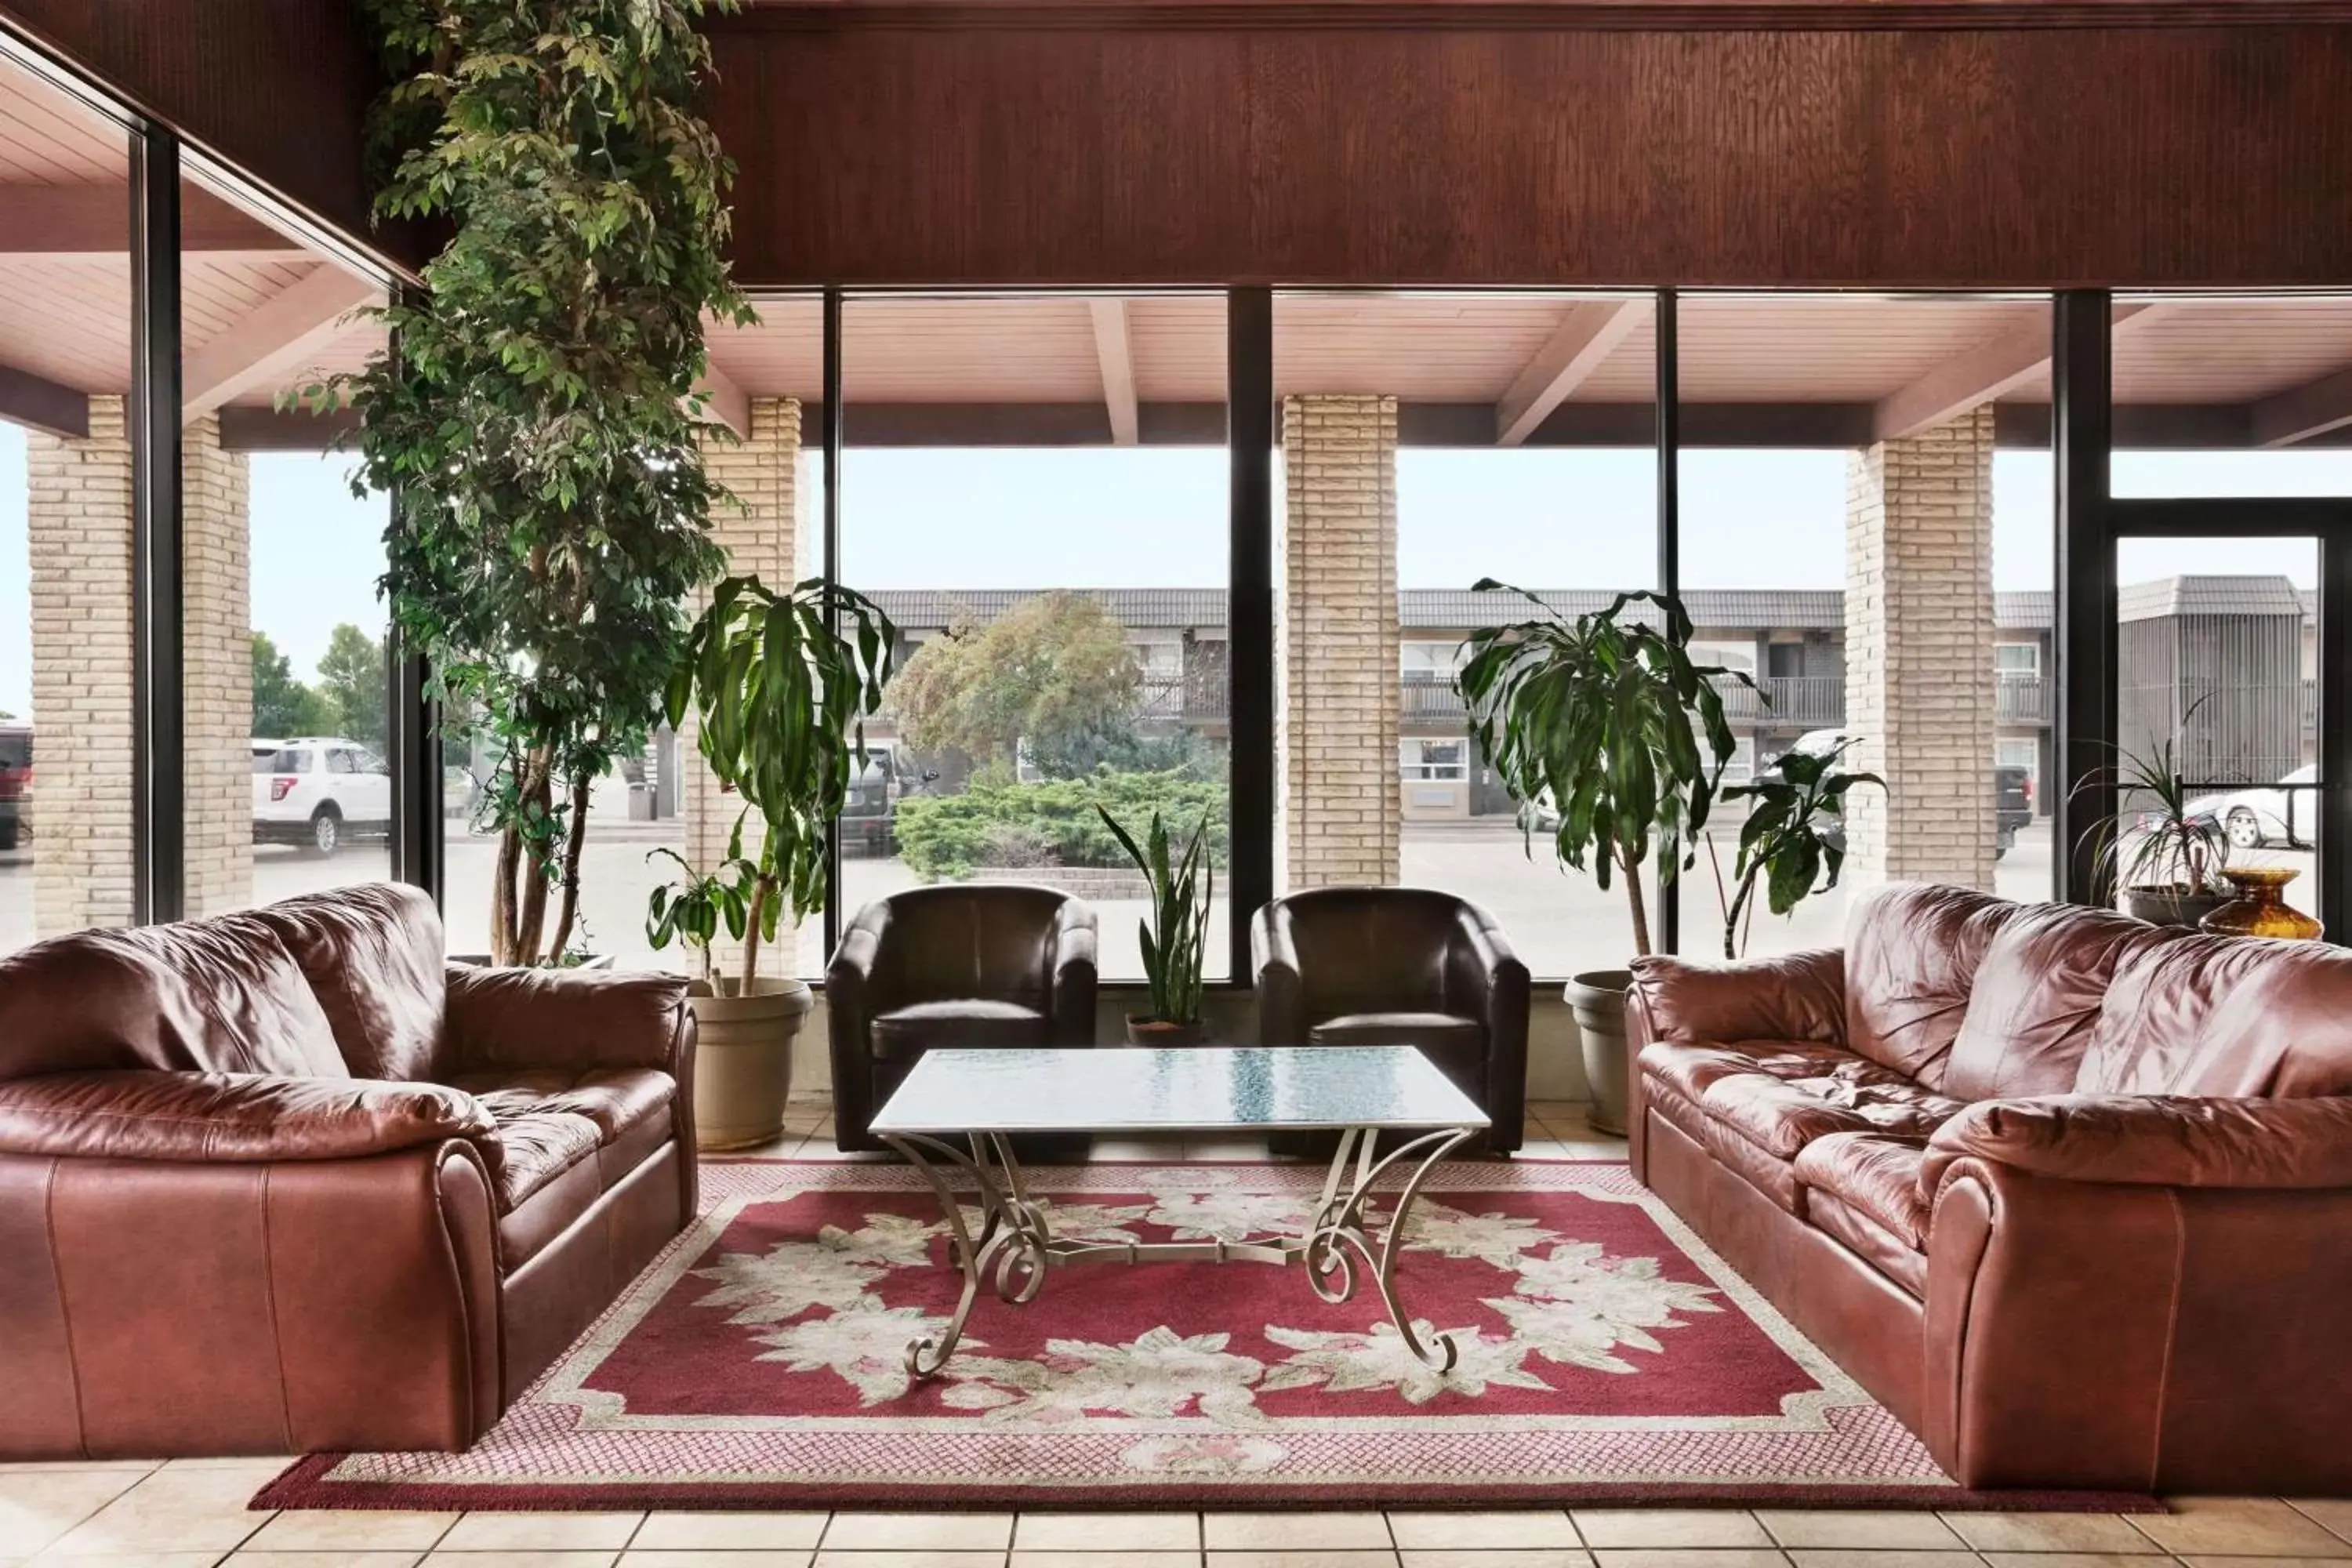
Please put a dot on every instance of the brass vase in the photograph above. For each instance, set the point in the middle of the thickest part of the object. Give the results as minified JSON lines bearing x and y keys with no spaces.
{"x":2260,"y":908}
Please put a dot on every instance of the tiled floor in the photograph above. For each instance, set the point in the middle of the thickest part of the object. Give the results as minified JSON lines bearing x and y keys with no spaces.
{"x":191,"y":1514}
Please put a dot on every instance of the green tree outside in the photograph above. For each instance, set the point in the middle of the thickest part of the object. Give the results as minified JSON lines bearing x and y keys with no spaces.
{"x":283,"y":705}
{"x":355,"y":684}
{"x":1055,"y":674}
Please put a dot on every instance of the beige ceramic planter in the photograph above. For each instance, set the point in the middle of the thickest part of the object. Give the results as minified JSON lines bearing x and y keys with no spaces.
{"x":743,"y":1061}
{"x":1597,"y":999}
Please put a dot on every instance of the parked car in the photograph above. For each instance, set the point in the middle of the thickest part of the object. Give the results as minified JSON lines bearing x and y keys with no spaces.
{"x":2262,"y":815}
{"x":15,"y":784}
{"x":318,"y":792}
{"x":2012,"y":793}
{"x":871,"y":816}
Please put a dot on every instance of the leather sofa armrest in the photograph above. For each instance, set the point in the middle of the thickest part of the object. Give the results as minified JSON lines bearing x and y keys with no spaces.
{"x":1795,"y":996}
{"x":227,"y":1118}
{"x":1075,"y":977}
{"x":1281,"y":1000}
{"x":567,"y":1019}
{"x":2153,"y":1140}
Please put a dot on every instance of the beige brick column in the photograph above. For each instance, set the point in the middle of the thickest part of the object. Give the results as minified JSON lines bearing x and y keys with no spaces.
{"x":1919,"y":651}
{"x":217,"y":655}
{"x":1340,"y":807}
{"x":758,"y":533}
{"x":79,"y":514}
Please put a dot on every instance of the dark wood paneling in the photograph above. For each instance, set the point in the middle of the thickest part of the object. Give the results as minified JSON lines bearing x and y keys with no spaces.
{"x":278,"y":89}
{"x":1330,"y":154}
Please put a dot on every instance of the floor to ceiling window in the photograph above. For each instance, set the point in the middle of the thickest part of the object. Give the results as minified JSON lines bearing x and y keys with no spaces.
{"x":67,"y":727}
{"x":1849,"y":543}
{"x":1034,"y":489}
{"x":1430,"y":441}
{"x":288,"y":774}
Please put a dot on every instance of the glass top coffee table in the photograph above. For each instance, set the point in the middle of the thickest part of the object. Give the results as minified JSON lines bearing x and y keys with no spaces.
{"x":957,"y":1112}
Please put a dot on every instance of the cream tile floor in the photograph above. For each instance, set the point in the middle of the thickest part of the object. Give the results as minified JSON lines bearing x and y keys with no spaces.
{"x":191,"y":1513}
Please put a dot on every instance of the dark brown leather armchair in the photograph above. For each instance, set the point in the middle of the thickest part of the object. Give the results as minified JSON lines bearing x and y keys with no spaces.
{"x":283,"y":1182}
{"x":964,"y":964}
{"x":1401,"y":966}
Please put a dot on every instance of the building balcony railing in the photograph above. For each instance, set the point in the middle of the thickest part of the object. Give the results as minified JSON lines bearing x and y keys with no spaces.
{"x":1787,"y":701}
{"x":2022,"y":700}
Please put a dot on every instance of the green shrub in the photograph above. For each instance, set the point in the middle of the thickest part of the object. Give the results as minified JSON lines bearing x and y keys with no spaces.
{"x":997,"y":823}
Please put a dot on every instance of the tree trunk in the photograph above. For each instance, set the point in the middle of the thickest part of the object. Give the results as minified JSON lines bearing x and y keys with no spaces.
{"x":574,"y":836}
{"x":1633,"y":869}
{"x":764,"y":888}
{"x":531,"y":921}
{"x":502,"y":901}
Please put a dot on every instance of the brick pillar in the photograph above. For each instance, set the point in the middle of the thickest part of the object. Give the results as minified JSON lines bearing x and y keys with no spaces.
{"x":1339,"y":809}
{"x":216,"y":651}
{"x":78,"y":515}
{"x":757,"y":534}
{"x":1918,"y":649}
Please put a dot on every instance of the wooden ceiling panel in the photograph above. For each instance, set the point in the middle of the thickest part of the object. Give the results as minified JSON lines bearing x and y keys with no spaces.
{"x":916,"y":350}
{"x":1460,"y":348}
{"x":67,"y":320}
{"x":1797,"y":348}
{"x":1179,"y":344}
{"x":48,"y":138}
{"x":2232,"y":351}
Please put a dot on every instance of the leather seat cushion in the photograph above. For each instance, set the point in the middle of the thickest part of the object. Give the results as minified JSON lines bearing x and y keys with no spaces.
{"x":1781,"y":1116}
{"x":1440,"y":1032}
{"x":975,"y":1023}
{"x":1874,"y":1174}
{"x":1690,"y":1069}
{"x":528,"y":1149}
{"x":616,"y":1098}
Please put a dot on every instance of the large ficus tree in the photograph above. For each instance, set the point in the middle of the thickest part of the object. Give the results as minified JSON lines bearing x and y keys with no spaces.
{"x":536,"y":422}
{"x":1603,"y":717}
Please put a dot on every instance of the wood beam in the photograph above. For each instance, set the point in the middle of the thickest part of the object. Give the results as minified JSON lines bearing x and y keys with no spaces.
{"x":272,"y":339}
{"x":1585,"y":337}
{"x":724,"y":402}
{"x":285,"y":429}
{"x":1979,"y":377}
{"x":42,"y":404}
{"x":92,"y":222}
{"x":2301,"y":414}
{"x":1115,"y":352}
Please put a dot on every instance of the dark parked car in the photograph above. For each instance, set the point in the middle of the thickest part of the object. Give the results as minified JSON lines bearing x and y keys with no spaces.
{"x":15,"y":783}
{"x":869,"y":817}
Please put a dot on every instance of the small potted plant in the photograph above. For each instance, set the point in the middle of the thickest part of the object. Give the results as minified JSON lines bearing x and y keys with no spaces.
{"x":1795,"y":828}
{"x":1175,"y":934}
{"x":2168,"y":865}
{"x":1606,"y":718}
{"x":780,"y":685}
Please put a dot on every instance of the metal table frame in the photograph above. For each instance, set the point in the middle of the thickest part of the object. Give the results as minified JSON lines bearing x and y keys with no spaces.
{"x":1015,"y":1246}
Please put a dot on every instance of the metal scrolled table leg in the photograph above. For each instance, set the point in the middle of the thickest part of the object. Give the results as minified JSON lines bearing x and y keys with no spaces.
{"x":926,"y":1356}
{"x":1341,"y":1222}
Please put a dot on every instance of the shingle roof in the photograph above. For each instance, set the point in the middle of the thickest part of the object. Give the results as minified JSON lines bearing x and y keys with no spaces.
{"x":1455,"y":609}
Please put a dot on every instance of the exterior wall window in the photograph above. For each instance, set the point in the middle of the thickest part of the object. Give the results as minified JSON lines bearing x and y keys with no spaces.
{"x":2017,"y":660}
{"x":1435,"y":760}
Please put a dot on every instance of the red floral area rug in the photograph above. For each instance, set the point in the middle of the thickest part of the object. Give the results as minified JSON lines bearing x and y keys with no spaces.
{"x":1605,"y":1355}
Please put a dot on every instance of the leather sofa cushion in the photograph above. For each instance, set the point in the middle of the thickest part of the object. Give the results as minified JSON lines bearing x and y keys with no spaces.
{"x":373,"y":955}
{"x":982,"y":939}
{"x":226,"y":1117}
{"x":2157,"y":1141}
{"x":1863,"y":1236}
{"x":2232,"y":1017}
{"x":1690,"y":1070}
{"x":1788,"y":996}
{"x":219,"y":995}
{"x":616,"y":1098}
{"x":2038,"y":995}
{"x":972,"y":1023}
{"x":528,"y":1149}
{"x":1783,"y":1116}
{"x":1876,"y":1175}
{"x":1911,"y":957}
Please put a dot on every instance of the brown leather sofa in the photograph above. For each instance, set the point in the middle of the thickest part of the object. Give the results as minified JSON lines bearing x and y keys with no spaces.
{"x":2071,"y":1195}
{"x":1401,"y":966}
{"x":964,"y":964}
{"x":282,"y":1181}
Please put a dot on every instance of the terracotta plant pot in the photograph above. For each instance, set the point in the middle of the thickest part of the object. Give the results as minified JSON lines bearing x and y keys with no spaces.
{"x":1154,"y":1032}
{"x":743,"y":1061}
{"x":2181,"y":907}
{"x":1597,"y":999}
{"x":2261,"y":907}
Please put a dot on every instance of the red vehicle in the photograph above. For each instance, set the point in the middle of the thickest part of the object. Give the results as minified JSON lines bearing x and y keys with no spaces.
{"x":15,"y":783}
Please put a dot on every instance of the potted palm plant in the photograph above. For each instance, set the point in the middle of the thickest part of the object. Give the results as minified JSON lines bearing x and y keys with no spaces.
{"x":780,"y":685}
{"x":1605,"y":716}
{"x":2166,"y":864}
{"x":1175,"y":935}
{"x":1795,"y":829}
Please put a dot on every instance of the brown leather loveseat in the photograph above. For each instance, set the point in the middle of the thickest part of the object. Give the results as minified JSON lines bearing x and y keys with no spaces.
{"x":2071,"y":1195}
{"x":282,"y":1181}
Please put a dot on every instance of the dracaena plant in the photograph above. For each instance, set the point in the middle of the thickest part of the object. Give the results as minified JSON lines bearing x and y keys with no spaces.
{"x":782,"y":685}
{"x":1787,"y":843}
{"x":694,"y":905}
{"x":2163,"y":849}
{"x":1174,"y":936}
{"x":1606,"y":717}
{"x":535,"y":422}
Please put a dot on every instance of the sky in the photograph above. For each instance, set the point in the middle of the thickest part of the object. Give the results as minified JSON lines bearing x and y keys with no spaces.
{"x":1115,"y":518}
